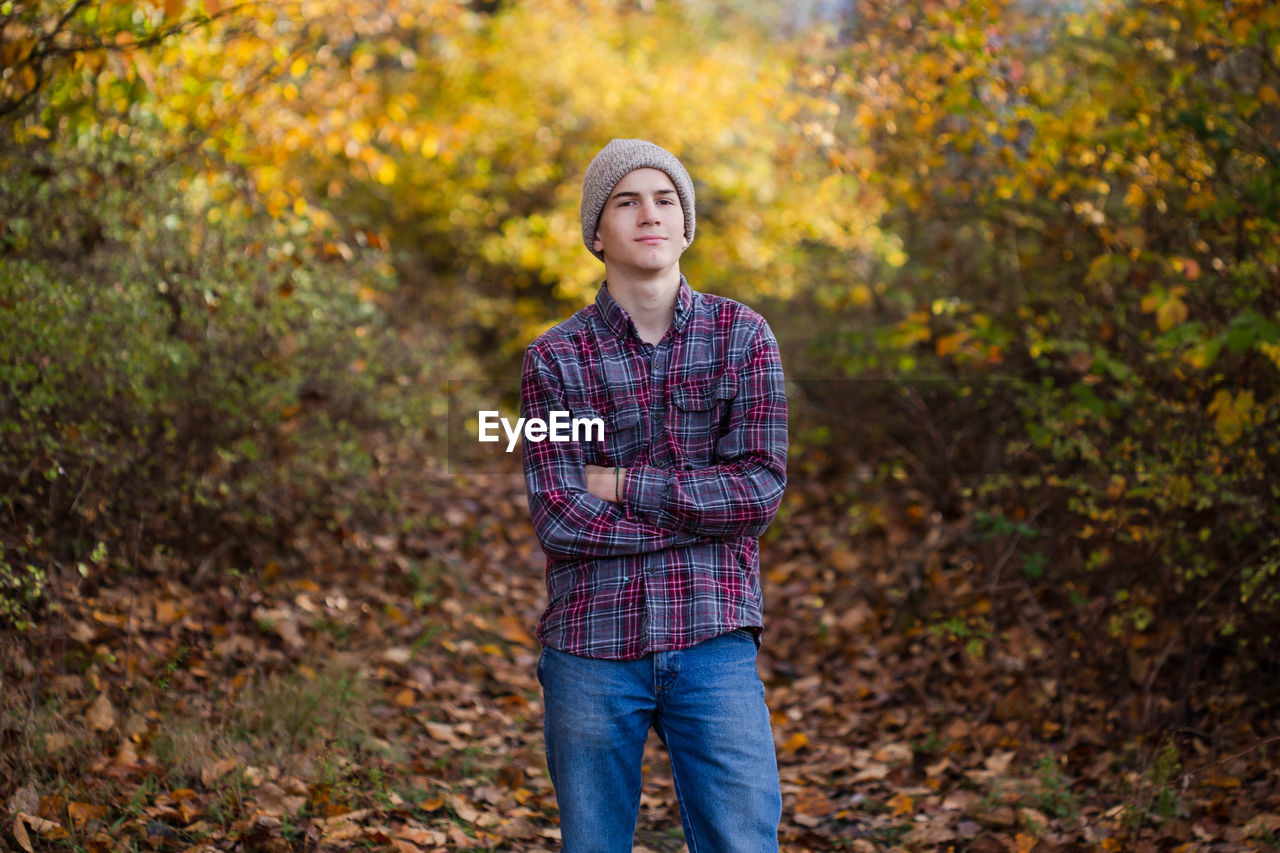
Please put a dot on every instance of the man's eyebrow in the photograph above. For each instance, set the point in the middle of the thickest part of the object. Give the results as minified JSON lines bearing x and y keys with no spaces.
{"x":634,"y":194}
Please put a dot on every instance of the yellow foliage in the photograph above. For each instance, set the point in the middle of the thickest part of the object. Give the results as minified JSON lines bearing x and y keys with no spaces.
{"x":471,"y":131}
{"x":1271,"y":351}
{"x":1233,"y":414}
{"x":1167,"y":305}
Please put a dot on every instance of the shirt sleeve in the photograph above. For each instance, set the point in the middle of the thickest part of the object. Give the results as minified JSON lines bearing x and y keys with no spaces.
{"x":570,"y":521}
{"x":740,"y":494}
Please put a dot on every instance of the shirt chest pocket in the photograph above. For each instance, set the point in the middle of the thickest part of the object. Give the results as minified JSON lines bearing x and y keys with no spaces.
{"x":698,"y":416}
{"x":619,"y":440}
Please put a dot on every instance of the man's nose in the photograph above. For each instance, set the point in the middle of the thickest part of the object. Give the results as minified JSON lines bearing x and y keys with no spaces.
{"x":649,"y":212}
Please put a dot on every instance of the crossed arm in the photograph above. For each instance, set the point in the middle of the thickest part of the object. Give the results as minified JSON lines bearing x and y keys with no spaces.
{"x":575,"y":508}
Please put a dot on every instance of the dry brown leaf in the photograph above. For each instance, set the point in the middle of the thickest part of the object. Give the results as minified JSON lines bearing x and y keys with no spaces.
{"x":463,"y":809}
{"x":168,"y":612}
{"x":461,"y":841}
{"x":82,"y":813}
{"x":445,"y":733}
{"x":871,"y":773}
{"x":513,"y":630}
{"x":961,"y":800}
{"x":127,"y":756}
{"x":933,"y":832}
{"x":51,"y":807}
{"x":274,"y":802}
{"x":1001,"y":816}
{"x":998,"y":762}
{"x":812,"y":808}
{"x":83,"y":632}
{"x":901,"y":804}
{"x":938,"y":768}
{"x":212,"y":771}
{"x":25,"y":799}
{"x":101,"y":715}
{"x":50,"y":829}
{"x":1261,"y":825}
{"x":1032,"y":818}
{"x":341,"y":832}
{"x":893,"y":752}
{"x":397,"y":655}
{"x":420,"y":834}
{"x":111,"y":620}
{"x":135,"y":725}
{"x":20,"y":835}
{"x":517,"y":828}
{"x":283,"y":623}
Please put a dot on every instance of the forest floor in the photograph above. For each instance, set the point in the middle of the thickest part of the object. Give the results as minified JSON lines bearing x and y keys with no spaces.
{"x":384,"y":697}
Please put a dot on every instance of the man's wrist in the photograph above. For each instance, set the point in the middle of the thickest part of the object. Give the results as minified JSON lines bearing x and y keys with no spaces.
{"x":607,"y":483}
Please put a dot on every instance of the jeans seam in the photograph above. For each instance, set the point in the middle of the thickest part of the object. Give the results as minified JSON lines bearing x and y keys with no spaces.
{"x":691,"y":840}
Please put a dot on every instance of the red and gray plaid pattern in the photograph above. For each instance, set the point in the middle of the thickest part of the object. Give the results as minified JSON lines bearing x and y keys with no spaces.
{"x":700,"y":423}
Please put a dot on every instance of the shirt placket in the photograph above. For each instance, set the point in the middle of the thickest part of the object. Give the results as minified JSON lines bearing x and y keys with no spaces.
{"x":656,"y":584}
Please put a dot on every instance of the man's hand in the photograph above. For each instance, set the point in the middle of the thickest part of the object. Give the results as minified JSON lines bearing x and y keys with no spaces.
{"x":602,"y":482}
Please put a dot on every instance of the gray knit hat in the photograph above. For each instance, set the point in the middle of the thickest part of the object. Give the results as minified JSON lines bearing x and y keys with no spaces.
{"x":612,"y":164}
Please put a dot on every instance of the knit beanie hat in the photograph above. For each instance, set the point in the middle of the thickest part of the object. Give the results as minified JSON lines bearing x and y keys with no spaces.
{"x":612,"y":164}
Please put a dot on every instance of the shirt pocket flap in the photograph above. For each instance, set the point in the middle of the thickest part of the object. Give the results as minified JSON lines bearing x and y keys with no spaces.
{"x":703,"y":394}
{"x":623,"y":418}
{"x":583,"y":412}
{"x":587,"y":423}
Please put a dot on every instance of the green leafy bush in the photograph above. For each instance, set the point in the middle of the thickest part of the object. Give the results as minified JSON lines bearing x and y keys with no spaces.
{"x":175,"y":376}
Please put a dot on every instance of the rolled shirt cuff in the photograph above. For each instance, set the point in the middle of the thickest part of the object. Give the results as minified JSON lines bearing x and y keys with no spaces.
{"x":645,"y":491}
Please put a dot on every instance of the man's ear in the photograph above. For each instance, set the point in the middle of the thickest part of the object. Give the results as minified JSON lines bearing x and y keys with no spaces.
{"x":597,"y":243}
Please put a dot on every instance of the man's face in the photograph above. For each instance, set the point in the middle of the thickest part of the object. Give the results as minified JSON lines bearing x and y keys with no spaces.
{"x":642,"y":224}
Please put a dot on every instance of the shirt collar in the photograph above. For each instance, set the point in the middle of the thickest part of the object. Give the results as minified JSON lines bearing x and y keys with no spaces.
{"x":619,"y":321}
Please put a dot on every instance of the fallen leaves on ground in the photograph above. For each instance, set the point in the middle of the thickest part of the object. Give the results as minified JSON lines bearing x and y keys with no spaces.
{"x":383,"y":696}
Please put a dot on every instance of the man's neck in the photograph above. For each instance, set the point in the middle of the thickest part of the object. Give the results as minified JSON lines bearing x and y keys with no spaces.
{"x":650,"y":301}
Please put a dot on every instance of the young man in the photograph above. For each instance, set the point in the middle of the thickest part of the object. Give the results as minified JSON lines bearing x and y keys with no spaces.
{"x":651,"y":532}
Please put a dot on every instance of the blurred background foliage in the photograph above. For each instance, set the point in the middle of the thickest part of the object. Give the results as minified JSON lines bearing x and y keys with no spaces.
{"x":1023,"y":259}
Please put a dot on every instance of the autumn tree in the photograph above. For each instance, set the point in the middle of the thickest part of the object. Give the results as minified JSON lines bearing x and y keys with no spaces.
{"x":179,"y":360}
{"x":1086,"y":209}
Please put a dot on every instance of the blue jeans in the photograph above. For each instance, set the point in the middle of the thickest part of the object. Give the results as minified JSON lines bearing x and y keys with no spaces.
{"x":707,"y":705}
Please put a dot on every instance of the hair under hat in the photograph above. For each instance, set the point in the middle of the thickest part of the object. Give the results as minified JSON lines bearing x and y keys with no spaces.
{"x":612,"y":164}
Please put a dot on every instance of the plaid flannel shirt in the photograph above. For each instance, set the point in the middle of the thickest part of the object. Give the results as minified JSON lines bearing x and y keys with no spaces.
{"x":700,"y":423}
